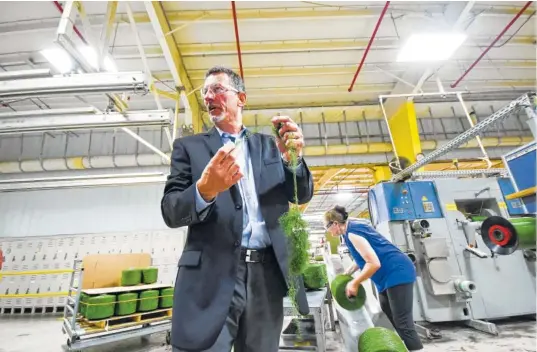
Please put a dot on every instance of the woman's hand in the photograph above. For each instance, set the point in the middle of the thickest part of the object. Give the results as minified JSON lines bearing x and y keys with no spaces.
{"x":351,"y":290}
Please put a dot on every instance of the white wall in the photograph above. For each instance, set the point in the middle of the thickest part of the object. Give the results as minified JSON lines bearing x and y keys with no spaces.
{"x":81,"y":211}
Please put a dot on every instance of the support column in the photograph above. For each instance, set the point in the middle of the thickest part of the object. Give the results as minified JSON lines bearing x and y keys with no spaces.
{"x":382,"y":173}
{"x":404,"y":128}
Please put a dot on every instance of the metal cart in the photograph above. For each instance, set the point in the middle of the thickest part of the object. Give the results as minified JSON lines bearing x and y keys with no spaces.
{"x":82,"y":336}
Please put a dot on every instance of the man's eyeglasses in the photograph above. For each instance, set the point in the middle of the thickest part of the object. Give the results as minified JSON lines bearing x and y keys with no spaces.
{"x":217,"y":89}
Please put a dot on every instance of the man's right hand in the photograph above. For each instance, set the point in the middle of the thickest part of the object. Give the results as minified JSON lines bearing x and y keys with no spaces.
{"x":220,"y":174}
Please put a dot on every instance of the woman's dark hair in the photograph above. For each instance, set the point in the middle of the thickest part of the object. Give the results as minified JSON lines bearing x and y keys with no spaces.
{"x":336,"y":214}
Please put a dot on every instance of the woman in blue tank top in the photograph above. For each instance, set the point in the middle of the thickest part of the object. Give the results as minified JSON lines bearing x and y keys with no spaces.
{"x":392,"y":272}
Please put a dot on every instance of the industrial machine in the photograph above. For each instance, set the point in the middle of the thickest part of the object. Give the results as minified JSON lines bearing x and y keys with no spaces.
{"x":475,"y":261}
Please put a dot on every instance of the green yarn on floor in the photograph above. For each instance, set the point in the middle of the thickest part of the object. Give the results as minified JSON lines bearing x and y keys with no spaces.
{"x":315,"y":276}
{"x":131,"y":277}
{"x":129,"y":307}
{"x":166,"y":298}
{"x":337,"y":287}
{"x":149,"y":275}
{"x":380,"y":339}
{"x":148,"y":300}
{"x":100,"y":307}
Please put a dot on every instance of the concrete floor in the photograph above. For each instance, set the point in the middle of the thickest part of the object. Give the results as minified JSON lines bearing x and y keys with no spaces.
{"x":25,"y":334}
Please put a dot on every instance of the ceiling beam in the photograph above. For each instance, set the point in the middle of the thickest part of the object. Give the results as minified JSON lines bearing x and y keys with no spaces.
{"x":175,"y":63}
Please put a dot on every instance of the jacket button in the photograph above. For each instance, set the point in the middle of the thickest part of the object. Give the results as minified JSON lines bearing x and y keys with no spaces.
{"x":238,"y":207}
{"x":237,"y":243}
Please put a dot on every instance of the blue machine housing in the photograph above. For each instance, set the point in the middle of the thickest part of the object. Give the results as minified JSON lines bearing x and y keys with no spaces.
{"x":398,"y":201}
{"x":514,"y":206}
{"x":522,"y":171}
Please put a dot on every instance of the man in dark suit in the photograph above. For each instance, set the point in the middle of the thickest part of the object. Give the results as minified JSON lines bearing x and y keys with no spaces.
{"x":230,"y":186}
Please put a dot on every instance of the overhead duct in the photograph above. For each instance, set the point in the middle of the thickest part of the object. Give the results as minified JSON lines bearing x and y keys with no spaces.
{"x":132,"y":160}
{"x":16,"y":125}
{"x":87,"y":83}
{"x":36,"y":184}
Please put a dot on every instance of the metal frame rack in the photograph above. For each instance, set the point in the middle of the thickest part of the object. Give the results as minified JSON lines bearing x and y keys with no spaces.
{"x":80,"y":338}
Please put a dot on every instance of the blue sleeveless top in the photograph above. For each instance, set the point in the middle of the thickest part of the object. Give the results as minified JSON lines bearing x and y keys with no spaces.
{"x":395,"y":266}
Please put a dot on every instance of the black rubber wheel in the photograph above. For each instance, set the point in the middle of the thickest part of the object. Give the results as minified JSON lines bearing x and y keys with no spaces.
{"x":168,"y":338}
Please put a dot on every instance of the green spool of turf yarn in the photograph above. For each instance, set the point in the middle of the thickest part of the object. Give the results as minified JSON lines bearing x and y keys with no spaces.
{"x":131,"y":277}
{"x":126,"y":303}
{"x":315,"y":276}
{"x":319,"y":258}
{"x":166,"y":298}
{"x":337,"y":287}
{"x":148,"y":300}
{"x":380,"y":339}
{"x":82,"y":304}
{"x":149,"y":275}
{"x":334,"y":242}
{"x":100,"y":307}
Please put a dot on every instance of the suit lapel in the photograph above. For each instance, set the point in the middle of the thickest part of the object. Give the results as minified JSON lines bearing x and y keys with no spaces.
{"x":213,"y":140}
{"x":254,"y":146}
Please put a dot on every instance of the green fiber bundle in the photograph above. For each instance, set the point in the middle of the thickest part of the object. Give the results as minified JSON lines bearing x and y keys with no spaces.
{"x":337,"y":287}
{"x":148,"y":300}
{"x":166,"y":298}
{"x":100,"y":307}
{"x":149,"y":275}
{"x":131,"y":277}
{"x":315,"y":276}
{"x":82,"y":303}
{"x":380,"y":340}
{"x":334,"y":243}
{"x":126,"y":303}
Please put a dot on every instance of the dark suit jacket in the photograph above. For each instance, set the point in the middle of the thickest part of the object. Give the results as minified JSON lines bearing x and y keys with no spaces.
{"x":208,"y":265}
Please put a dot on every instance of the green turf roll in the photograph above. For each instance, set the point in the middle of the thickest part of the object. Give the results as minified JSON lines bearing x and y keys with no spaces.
{"x":315,"y":276}
{"x":82,"y":304}
{"x":131,"y":277}
{"x":126,"y":303}
{"x":149,"y":275}
{"x":100,"y":307}
{"x":166,"y":298}
{"x":318,"y":258}
{"x":337,"y":287}
{"x":334,"y":242}
{"x":148,"y":300}
{"x":525,"y":231}
{"x":380,"y":339}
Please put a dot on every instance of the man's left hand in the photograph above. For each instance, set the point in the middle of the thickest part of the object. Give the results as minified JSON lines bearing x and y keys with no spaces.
{"x":290,"y":136}
{"x":351,"y":290}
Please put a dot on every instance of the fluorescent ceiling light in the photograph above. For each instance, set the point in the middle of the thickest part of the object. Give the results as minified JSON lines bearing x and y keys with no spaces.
{"x":430,"y":47}
{"x":91,"y":56}
{"x":159,"y":118}
{"x":59,"y":59}
{"x":343,"y":196}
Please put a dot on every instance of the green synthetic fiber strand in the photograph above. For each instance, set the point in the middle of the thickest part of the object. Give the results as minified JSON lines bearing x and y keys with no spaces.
{"x":338,"y":285}
{"x":295,"y":228}
{"x":380,"y":339}
{"x":315,"y":276}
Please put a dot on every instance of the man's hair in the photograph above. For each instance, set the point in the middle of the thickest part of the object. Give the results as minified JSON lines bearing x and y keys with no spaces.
{"x":236,"y":80}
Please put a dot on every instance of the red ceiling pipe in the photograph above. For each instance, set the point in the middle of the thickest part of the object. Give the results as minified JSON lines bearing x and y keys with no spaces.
{"x":369,"y":44}
{"x":237,"y":36}
{"x":453,"y":85}
{"x":60,"y":8}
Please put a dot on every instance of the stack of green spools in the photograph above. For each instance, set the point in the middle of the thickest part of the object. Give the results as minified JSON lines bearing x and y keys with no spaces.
{"x":104,"y":306}
{"x":380,"y":340}
{"x":337,"y":287}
